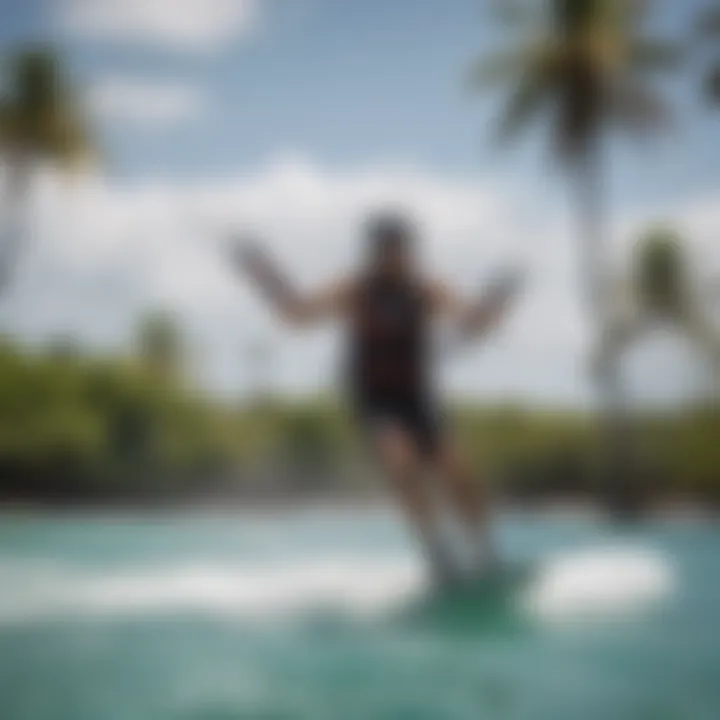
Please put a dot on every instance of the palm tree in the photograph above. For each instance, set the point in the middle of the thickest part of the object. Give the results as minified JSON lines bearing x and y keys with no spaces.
{"x":662,"y":289}
{"x":259,"y":361}
{"x":160,"y":345}
{"x":39,"y":123}
{"x":708,"y":33}
{"x":586,"y":64}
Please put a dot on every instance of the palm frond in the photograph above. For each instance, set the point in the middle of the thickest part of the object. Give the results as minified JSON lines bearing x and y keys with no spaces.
{"x":590,"y":65}
{"x":708,"y":22}
{"x":71,"y":147}
{"x":503,"y":66}
{"x":515,"y":13}
{"x":42,"y":117}
{"x":661,"y":276}
{"x":569,"y":15}
{"x":712,"y":84}
{"x":653,"y":54}
{"x":704,"y":334}
{"x":525,"y":102}
{"x":572,"y":16}
{"x":581,"y":107}
{"x":629,"y":13}
{"x":4,"y":125}
{"x":640,"y":110}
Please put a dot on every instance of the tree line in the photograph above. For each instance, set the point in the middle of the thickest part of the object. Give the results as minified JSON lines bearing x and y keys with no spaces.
{"x":79,"y":427}
{"x":579,"y":68}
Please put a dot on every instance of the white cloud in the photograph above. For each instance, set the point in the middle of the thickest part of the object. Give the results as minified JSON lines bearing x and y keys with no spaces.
{"x":188,"y":25}
{"x":102,"y":253}
{"x":145,"y":102}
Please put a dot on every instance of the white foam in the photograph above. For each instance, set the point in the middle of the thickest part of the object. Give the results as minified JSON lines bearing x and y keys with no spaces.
{"x":573,"y":585}
{"x":599,"y":583}
{"x":357,"y":585}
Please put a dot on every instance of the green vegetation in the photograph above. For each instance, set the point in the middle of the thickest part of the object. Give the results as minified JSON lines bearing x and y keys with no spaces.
{"x":72,"y":427}
{"x":41,"y":122}
{"x":79,"y":427}
{"x":585,"y":67}
{"x":75,"y":428}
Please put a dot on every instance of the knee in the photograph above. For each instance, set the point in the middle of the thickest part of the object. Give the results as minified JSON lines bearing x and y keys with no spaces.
{"x":398,"y":456}
{"x":401,"y":466}
{"x":454,"y":465}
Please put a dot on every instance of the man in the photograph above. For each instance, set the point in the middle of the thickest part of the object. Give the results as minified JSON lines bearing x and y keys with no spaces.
{"x":388,"y":308}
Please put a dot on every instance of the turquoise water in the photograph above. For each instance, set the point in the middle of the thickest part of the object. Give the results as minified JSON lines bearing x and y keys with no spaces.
{"x":325,"y":615}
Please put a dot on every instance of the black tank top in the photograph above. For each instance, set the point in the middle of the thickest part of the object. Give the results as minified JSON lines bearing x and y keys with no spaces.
{"x":388,"y":344}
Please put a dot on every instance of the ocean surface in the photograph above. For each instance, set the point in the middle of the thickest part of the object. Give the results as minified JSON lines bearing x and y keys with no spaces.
{"x":326,"y":614}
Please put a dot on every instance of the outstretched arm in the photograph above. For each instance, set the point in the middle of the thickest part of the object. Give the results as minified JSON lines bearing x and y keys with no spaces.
{"x":292,"y":306}
{"x":474,"y":318}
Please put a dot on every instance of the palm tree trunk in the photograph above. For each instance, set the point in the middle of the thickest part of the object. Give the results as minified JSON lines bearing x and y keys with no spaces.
{"x":13,"y":217}
{"x":615,"y":479}
{"x":706,"y":339}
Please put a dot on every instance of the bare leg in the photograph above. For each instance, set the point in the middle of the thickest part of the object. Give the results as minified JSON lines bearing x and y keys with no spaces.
{"x":469,"y":500}
{"x":402,"y":463}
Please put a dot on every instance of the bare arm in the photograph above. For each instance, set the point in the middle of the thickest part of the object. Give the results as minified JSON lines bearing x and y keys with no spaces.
{"x":323,"y":304}
{"x":292,"y":306}
{"x":473,"y":318}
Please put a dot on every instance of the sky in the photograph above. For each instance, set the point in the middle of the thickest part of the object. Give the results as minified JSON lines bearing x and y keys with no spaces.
{"x":292,"y":119}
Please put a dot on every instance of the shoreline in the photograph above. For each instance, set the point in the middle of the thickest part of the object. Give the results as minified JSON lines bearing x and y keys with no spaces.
{"x":681,"y":508}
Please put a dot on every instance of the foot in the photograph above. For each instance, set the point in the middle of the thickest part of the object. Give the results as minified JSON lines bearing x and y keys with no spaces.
{"x":474,"y":556}
{"x":484,"y":564}
{"x":444,"y":571}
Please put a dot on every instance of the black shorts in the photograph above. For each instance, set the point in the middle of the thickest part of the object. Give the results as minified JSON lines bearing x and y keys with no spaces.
{"x":419,"y":416}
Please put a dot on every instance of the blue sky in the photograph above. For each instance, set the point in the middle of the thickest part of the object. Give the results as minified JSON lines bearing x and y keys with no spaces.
{"x":348,"y":83}
{"x":301,"y":112}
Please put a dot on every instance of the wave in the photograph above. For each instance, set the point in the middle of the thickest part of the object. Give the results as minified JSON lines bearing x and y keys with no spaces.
{"x":604,"y":582}
{"x":357,"y":585}
{"x":599,"y":583}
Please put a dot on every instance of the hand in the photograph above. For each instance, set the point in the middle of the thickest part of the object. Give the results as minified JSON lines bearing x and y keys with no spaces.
{"x":246,"y":255}
{"x":249,"y":257}
{"x":490,"y":309}
{"x":504,"y":286}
